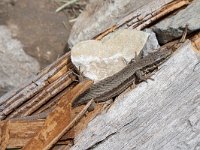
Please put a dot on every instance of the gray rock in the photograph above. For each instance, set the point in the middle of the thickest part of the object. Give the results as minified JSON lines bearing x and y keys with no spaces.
{"x":152,"y":44}
{"x":173,"y":26}
{"x":15,"y":65}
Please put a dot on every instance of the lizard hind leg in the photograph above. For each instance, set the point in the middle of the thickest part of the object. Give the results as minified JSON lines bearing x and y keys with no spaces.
{"x":79,"y":74}
{"x":133,"y":85}
{"x":107,"y":105}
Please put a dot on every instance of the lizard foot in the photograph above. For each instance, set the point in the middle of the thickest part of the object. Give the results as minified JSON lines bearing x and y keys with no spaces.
{"x":142,"y":77}
{"x":133,"y":85}
{"x":107,"y":105}
{"x":91,"y":107}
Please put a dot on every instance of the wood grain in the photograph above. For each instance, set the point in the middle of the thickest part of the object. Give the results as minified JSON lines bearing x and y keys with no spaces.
{"x":57,"y":121}
{"x":160,"y":114}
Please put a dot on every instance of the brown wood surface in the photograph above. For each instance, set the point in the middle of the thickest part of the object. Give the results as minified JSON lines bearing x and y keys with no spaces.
{"x":15,"y":134}
{"x":57,"y":121}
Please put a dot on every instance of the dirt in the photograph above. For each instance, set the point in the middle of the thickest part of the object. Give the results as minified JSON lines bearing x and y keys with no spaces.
{"x":43,"y":32}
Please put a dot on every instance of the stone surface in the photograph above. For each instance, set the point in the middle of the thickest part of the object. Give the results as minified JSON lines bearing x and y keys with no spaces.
{"x":101,"y":15}
{"x":37,"y":26}
{"x":173,"y":26}
{"x":100,"y":59}
{"x":152,"y":44}
{"x":160,"y":114}
{"x":15,"y":65}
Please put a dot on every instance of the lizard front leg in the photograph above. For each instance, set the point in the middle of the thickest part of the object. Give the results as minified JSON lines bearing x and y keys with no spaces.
{"x":141,"y":77}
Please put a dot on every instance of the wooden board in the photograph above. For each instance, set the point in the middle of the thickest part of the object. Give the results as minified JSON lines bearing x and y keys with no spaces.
{"x":160,"y":114}
{"x":15,"y":134}
{"x":55,"y":125}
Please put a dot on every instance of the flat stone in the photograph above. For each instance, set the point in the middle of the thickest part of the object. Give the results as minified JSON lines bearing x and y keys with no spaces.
{"x":100,"y":59}
{"x":16,"y":67}
{"x":173,"y":26}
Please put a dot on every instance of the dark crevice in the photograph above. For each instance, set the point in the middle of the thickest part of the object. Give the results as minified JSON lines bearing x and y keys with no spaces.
{"x":109,"y":136}
{"x":100,"y":142}
{"x":129,"y":122}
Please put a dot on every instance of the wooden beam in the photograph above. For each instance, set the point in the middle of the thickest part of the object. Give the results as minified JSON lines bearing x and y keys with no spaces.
{"x":57,"y":121}
{"x":44,"y":95}
{"x":15,"y":99}
{"x":16,"y":133}
{"x":159,"y":114}
{"x":196,"y":41}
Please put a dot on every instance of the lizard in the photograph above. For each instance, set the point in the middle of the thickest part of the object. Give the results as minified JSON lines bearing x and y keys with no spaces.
{"x":114,"y":85}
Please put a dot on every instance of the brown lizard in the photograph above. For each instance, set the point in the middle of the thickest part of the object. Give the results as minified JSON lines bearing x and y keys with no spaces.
{"x":116,"y":84}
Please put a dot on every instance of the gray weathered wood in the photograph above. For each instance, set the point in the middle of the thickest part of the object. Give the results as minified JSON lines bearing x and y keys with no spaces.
{"x":160,"y":114}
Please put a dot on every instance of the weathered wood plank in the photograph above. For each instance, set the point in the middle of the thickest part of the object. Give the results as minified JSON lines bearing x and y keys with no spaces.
{"x":158,"y":14}
{"x":12,"y":100}
{"x":15,"y":134}
{"x":160,"y":114}
{"x":196,"y":41}
{"x":57,"y":121}
{"x":44,"y":95}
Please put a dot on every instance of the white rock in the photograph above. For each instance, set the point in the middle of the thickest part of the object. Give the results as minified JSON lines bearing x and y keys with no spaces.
{"x":100,"y":59}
